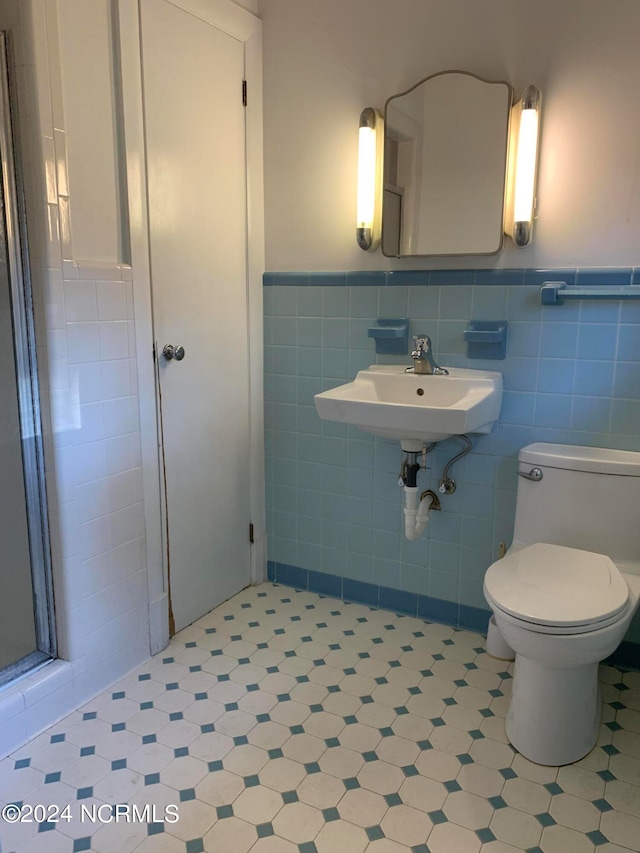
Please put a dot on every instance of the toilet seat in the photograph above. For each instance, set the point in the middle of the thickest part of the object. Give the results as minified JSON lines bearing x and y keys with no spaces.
{"x":557,"y":589}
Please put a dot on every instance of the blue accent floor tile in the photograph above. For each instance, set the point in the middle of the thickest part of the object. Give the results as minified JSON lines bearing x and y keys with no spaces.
{"x":330,"y":814}
{"x":374,"y":833}
{"x":485,"y":835}
{"x":597,"y":838}
{"x":224,"y":812}
{"x":437,"y":817}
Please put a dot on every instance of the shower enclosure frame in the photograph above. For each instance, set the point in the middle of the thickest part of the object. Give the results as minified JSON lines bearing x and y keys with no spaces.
{"x":12,"y":217}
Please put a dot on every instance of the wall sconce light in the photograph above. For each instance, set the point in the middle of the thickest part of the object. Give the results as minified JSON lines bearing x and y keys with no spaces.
{"x":524,"y":135}
{"x":370,"y":159}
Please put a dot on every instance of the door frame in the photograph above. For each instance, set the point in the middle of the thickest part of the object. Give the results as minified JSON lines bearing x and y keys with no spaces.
{"x":235,"y":21}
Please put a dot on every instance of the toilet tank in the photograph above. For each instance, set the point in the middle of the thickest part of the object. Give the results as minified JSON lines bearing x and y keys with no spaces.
{"x":588,"y":498}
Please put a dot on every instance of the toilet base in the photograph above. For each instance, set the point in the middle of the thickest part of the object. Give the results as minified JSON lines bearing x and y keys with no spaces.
{"x":496,"y":645}
{"x":554,"y":714}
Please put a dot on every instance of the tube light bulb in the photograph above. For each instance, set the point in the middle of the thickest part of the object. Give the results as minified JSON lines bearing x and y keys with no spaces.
{"x":366,"y":176}
{"x":369,"y":201}
{"x":523,"y":165}
{"x":526,"y":165}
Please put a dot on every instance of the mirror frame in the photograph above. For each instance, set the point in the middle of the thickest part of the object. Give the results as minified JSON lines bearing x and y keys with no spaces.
{"x":504,"y":174}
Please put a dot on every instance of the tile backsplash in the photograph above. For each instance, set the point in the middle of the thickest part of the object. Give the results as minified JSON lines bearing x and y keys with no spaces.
{"x":571,"y":375}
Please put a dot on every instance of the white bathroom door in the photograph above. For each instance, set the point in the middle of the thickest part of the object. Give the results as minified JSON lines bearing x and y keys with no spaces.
{"x":195,"y":138}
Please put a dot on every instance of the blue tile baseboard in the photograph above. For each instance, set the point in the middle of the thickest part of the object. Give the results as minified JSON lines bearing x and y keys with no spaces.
{"x":488,"y":277}
{"x":385,"y":598}
{"x":626,"y":656}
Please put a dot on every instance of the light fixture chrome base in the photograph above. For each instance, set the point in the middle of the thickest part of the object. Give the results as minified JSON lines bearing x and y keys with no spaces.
{"x":522,"y":233}
{"x":364,"y":236}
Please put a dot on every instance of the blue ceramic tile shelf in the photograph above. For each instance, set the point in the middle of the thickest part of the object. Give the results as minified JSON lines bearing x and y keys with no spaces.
{"x":486,"y":339}
{"x":391,"y":336}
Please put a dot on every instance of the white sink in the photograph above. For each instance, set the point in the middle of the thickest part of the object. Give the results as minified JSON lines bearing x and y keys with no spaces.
{"x":413,"y":408}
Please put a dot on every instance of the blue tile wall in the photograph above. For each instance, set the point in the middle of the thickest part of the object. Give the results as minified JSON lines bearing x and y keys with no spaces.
{"x":334,"y":509}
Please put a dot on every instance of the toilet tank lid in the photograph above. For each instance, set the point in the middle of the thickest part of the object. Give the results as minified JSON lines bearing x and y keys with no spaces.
{"x":600,"y":460}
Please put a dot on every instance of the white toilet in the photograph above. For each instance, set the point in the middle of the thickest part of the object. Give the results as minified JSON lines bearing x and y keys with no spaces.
{"x":565,"y":592}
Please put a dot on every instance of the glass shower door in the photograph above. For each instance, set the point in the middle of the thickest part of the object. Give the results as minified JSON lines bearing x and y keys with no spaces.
{"x":26,"y":600}
{"x":17,"y":621}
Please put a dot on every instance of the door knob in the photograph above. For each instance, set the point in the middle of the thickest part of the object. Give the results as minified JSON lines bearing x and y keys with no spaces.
{"x":169,"y":352}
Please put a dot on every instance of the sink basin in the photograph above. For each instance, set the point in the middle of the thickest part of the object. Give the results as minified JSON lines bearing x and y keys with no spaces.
{"x":413,"y":408}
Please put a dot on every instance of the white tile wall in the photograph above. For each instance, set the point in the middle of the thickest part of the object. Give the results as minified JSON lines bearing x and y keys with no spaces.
{"x":86,"y":347}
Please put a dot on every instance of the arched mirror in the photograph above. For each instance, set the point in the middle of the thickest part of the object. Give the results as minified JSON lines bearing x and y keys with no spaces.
{"x":445,"y":162}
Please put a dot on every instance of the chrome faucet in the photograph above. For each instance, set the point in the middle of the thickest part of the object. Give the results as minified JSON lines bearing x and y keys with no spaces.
{"x":422,"y":355}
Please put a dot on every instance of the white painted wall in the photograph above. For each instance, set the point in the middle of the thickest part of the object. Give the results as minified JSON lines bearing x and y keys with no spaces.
{"x":324,"y":62}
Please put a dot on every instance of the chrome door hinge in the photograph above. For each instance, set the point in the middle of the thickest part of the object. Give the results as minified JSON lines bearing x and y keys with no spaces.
{"x":251,"y":533}
{"x":244,"y":93}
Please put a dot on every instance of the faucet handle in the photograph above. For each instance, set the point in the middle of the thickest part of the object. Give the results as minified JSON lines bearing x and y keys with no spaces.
{"x":422,"y":355}
{"x":422,"y":343}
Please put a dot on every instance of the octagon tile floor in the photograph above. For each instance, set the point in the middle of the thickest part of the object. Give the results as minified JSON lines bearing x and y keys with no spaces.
{"x":283,"y":721}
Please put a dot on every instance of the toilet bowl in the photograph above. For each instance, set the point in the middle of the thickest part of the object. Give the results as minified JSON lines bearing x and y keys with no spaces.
{"x":554,"y":713}
{"x":563,"y":608}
